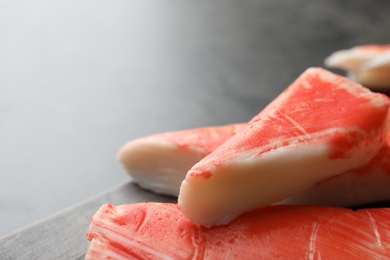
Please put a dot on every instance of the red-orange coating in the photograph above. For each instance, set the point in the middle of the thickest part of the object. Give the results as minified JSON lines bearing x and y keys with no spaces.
{"x":158,"y":230}
{"x":314,"y":103}
{"x":206,"y":138}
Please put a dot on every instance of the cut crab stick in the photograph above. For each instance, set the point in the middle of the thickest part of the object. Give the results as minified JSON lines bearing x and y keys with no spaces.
{"x":159,"y":231}
{"x":366,"y":64}
{"x":321,"y":126}
{"x":158,"y":166}
{"x":160,"y":162}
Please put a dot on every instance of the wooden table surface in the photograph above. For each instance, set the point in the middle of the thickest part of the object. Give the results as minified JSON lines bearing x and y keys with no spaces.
{"x":81,"y":78}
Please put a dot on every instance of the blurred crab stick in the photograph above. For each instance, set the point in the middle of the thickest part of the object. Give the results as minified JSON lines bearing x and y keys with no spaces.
{"x":320,"y":126}
{"x":366,"y":64}
{"x":159,"y":231}
{"x":160,"y":162}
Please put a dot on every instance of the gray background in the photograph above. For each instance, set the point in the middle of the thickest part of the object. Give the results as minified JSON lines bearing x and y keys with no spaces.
{"x":80,"y":78}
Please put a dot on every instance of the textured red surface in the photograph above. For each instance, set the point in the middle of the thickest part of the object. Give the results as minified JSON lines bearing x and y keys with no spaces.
{"x":319,"y":107}
{"x":207,"y":138}
{"x":157,"y":230}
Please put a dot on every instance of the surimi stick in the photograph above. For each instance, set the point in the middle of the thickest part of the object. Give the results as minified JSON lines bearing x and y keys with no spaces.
{"x":161,"y":168}
{"x":366,"y":64}
{"x":159,"y":231}
{"x":321,"y":126}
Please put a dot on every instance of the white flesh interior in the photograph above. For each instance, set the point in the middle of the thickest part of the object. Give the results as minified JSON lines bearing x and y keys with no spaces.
{"x":368,"y":68}
{"x":158,"y":165}
{"x":245,"y":185}
{"x":375,"y":75}
{"x":347,"y":189}
{"x":350,"y":60}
